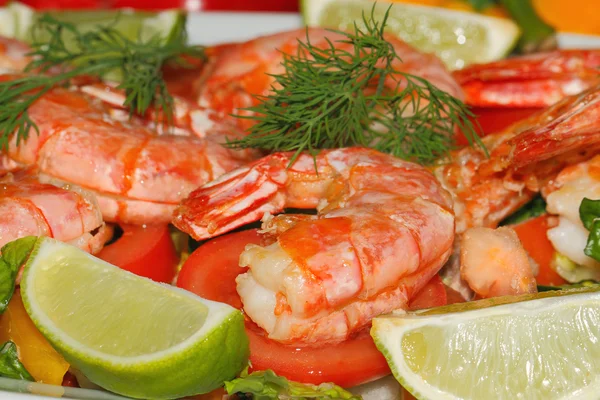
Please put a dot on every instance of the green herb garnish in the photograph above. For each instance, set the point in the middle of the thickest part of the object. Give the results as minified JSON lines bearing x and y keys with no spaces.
{"x":69,"y":53}
{"x":535,"y":208}
{"x":331,"y":97}
{"x":10,"y":366}
{"x":536,"y":35}
{"x":266,"y":385}
{"x":481,"y":5}
{"x":589,"y":213}
{"x":13,"y":257}
{"x":587,"y":283}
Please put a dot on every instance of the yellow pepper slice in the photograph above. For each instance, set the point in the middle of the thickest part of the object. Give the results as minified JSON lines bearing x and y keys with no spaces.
{"x":35,"y":353}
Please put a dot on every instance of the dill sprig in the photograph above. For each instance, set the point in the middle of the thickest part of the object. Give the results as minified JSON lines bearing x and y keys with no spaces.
{"x":330,"y":97}
{"x":66,"y":53}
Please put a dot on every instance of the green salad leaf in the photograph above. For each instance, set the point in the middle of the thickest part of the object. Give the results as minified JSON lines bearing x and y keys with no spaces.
{"x":586,"y":283}
{"x":13,"y":256}
{"x":10,"y":366}
{"x":480,"y":5}
{"x":536,"y":34}
{"x":266,"y":385}
{"x":535,"y":208}
{"x":589,"y":213}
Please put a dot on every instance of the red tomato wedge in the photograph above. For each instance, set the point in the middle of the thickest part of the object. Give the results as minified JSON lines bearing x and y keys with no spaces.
{"x":346,"y":364}
{"x":532,"y":234}
{"x":210,"y":273}
{"x":432,"y":295}
{"x":493,"y":120}
{"x":145,"y":251}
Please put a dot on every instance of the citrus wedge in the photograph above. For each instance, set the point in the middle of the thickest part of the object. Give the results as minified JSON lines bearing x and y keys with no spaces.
{"x":458,"y":38}
{"x":129,"y":334}
{"x":17,"y":21}
{"x":542,"y":346}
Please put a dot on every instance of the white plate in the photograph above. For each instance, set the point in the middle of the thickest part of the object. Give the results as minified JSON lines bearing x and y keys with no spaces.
{"x":209,"y":29}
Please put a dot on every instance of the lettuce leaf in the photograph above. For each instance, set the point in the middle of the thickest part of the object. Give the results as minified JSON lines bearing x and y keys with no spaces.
{"x":589,"y":213}
{"x":535,"y":208}
{"x":10,"y":366}
{"x":266,"y":385}
{"x":13,"y":256}
{"x":480,"y":5}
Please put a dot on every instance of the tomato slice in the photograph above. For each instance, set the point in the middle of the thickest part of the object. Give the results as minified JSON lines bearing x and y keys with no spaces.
{"x":432,"y":295}
{"x":347,"y":364}
{"x":493,"y":120}
{"x":532,"y":234}
{"x":70,"y":380}
{"x":145,"y":251}
{"x":210,"y":272}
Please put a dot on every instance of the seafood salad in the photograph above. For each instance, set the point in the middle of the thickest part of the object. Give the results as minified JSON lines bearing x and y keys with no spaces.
{"x":332,"y":212}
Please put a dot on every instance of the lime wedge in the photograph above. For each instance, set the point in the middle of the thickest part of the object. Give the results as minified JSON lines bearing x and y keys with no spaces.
{"x":7,"y":23}
{"x":23,"y":18}
{"x":129,"y":334}
{"x":17,"y":20}
{"x":457,"y":38}
{"x":133,"y":24}
{"x":533,"y":347}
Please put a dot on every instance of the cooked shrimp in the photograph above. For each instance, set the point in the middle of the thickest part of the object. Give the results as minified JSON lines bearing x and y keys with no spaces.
{"x":240,"y":73}
{"x":522,"y":159}
{"x":138,"y":177}
{"x":534,"y":80}
{"x":494,"y":263}
{"x":384,"y":228}
{"x":279,"y":294}
{"x":188,"y":118}
{"x":67,"y":213}
{"x":13,"y":54}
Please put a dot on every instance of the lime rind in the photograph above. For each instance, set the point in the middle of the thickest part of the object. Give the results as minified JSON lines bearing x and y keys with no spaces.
{"x":23,"y":17}
{"x":502,"y":300}
{"x":167,"y":24}
{"x":389,"y":333}
{"x":17,"y":20}
{"x":198,"y":364}
{"x":458,"y":38}
{"x":7,"y":23}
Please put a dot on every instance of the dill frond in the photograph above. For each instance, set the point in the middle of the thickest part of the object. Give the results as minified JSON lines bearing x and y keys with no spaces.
{"x":329,"y":97}
{"x":66,"y":53}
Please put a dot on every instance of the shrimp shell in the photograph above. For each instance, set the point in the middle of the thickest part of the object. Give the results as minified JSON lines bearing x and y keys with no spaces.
{"x":384,"y":228}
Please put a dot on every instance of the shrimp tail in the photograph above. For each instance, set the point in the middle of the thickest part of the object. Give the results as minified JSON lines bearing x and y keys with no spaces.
{"x":573,"y":126}
{"x":522,"y":160}
{"x":570,"y":126}
{"x":234,"y":199}
{"x":536,"y":80}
